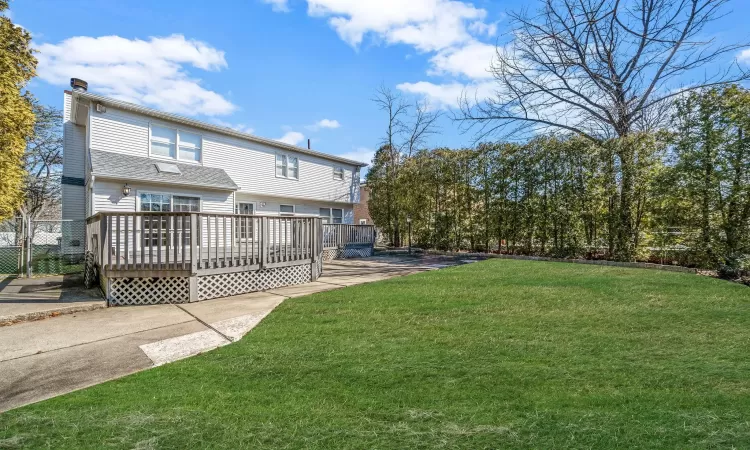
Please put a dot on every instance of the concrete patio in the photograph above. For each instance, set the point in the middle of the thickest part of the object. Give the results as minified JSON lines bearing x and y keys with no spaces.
{"x":24,"y":299}
{"x":46,"y":358}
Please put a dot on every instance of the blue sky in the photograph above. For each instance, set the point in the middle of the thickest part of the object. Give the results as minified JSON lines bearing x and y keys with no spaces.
{"x":282,"y":69}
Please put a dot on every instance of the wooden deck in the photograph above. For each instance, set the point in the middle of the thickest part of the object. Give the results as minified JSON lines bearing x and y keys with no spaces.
{"x":193,"y":244}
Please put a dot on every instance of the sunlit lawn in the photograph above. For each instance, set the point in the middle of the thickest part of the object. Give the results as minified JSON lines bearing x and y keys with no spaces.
{"x":498,"y":354}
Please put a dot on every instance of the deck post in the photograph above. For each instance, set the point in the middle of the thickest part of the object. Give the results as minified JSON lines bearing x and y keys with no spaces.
{"x":102,"y":240}
{"x":194,"y":243}
{"x":264,"y":242}
{"x":193,"y":280}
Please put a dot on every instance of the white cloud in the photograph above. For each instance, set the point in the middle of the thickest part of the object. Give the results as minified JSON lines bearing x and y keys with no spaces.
{"x":447,"y":95}
{"x":278,"y":5}
{"x":292,"y":138}
{"x":428,"y":25}
{"x":744,"y":56}
{"x":241,"y":127}
{"x":151,"y":72}
{"x":480,"y":27}
{"x":451,"y":30}
{"x":325,"y":123}
{"x":361,"y":154}
{"x":328,"y":123}
{"x":472,"y":60}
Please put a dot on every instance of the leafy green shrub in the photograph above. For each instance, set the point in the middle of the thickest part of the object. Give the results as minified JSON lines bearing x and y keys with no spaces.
{"x":735,"y":267}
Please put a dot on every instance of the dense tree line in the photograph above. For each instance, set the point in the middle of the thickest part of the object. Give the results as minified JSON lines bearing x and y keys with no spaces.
{"x":560,"y":195}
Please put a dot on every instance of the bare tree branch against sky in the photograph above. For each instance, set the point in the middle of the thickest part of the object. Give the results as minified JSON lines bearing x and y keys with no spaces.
{"x":598,"y":67}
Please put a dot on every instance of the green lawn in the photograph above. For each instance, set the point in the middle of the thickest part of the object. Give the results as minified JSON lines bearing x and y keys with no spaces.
{"x":499,"y":354}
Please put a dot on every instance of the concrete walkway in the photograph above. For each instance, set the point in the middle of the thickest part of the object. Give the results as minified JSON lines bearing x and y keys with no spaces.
{"x":24,"y":299}
{"x":46,"y":358}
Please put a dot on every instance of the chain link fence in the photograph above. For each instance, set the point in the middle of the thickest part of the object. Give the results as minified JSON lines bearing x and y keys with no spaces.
{"x":40,"y":247}
{"x":11,"y":246}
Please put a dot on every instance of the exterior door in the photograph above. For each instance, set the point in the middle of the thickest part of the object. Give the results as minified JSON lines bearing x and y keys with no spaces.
{"x":245,"y":226}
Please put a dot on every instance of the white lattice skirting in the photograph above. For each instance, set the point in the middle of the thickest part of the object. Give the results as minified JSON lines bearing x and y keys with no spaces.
{"x":148,"y":291}
{"x":151,"y":291}
{"x":226,"y":284}
{"x":330,"y":254}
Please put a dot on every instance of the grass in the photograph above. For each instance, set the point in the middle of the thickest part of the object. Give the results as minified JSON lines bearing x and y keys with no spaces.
{"x":499,"y":354}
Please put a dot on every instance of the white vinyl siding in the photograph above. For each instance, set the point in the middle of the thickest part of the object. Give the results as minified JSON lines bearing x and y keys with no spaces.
{"x":73,"y":202}
{"x":268,"y":206}
{"x":108,"y":197}
{"x":74,"y":143}
{"x":250,"y":164}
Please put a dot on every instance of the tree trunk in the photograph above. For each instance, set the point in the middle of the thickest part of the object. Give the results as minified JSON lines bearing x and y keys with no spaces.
{"x":625,"y":233}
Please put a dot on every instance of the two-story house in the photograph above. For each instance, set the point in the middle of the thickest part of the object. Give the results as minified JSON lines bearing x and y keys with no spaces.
{"x":120,"y":156}
{"x":178,"y":209}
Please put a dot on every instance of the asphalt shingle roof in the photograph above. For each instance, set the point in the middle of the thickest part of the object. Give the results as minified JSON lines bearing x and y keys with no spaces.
{"x":137,"y":168}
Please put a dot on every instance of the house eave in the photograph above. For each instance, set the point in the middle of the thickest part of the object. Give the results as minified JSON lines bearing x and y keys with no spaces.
{"x":100,"y":176}
{"x":293,"y":197}
{"x":209,"y":127}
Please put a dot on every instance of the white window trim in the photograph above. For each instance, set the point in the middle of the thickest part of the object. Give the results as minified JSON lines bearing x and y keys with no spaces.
{"x":330,"y":214}
{"x":363,"y":221}
{"x":171,"y":199}
{"x":286,"y":155}
{"x":341,"y":169}
{"x":176,"y":144}
{"x":294,"y":210}
{"x":254,"y":203}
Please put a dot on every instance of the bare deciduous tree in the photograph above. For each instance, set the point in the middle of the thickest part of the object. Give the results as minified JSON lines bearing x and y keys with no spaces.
{"x":43,"y":164}
{"x":421,"y":127}
{"x":601,"y":69}
{"x":409,"y":127}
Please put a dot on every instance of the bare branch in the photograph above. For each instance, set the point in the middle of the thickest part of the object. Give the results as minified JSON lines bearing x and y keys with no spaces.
{"x":598,"y":68}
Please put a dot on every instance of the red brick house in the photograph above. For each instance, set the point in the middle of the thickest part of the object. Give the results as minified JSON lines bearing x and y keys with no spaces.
{"x":361,"y":210}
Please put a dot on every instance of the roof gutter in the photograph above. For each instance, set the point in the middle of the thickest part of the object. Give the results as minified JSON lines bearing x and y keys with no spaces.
{"x":207,"y":126}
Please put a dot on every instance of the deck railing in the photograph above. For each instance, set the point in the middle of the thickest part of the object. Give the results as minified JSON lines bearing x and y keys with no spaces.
{"x":339,"y":235}
{"x":164,"y":244}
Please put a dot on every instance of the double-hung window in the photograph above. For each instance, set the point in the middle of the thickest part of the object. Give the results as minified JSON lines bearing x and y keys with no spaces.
{"x":287,"y":166}
{"x":163,"y":141}
{"x":175,"y":144}
{"x":190,"y":147}
{"x":338,"y":173}
{"x":332,"y":215}
{"x":337,"y":215}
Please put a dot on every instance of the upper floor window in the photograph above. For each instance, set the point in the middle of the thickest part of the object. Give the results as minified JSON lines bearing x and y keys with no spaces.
{"x":338,"y":173}
{"x":163,"y":141}
{"x":176,"y":144}
{"x":287,"y":166}
{"x":190,"y":147}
